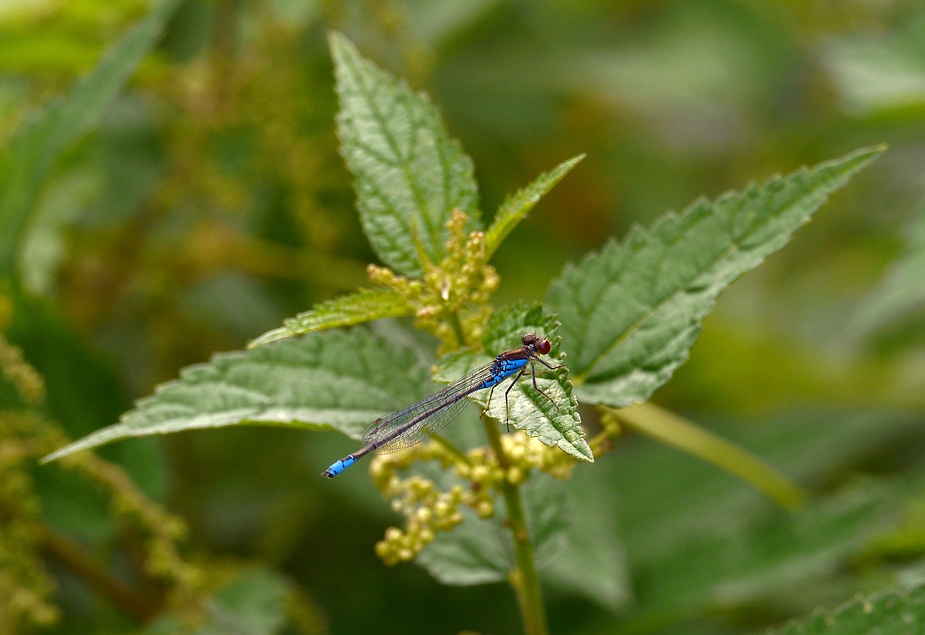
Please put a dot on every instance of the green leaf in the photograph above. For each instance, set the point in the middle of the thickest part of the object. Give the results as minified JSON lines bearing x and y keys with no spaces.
{"x":547,"y":511}
{"x":684,"y":497}
{"x":769,"y":554}
{"x":515,"y":208}
{"x":505,"y":329}
{"x":695,"y":537}
{"x":33,"y":150}
{"x":363,"y":306}
{"x":473,"y":553}
{"x":553,"y":420}
{"x":631,"y":312}
{"x":254,"y":604}
{"x":480,"y":551}
{"x":333,"y":380}
{"x":593,"y":562}
{"x":409,"y":173}
{"x":890,"y":612}
{"x":901,"y":294}
{"x":251,"y":605}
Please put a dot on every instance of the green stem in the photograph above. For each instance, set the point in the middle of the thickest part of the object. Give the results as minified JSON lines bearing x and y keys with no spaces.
{"x":458,"y":328}
{"x":674,"y":430}
{"x":450,"y":447}
{"x":524,"y":577}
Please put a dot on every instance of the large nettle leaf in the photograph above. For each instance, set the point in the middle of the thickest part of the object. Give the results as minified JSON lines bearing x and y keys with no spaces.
{"x":33,"y":150}
{"x":551,"y":417}
{"x":890,"y":612}
{"x":631,"y":312}
{"x":333,"y":380}
{"x":410,"y":174}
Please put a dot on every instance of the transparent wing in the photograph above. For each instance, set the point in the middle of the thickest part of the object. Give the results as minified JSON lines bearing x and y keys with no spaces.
{"x":443,"y":406}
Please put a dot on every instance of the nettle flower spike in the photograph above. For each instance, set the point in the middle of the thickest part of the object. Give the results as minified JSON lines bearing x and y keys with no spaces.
{"x":428,"y":510}
{"x":450,"y":301}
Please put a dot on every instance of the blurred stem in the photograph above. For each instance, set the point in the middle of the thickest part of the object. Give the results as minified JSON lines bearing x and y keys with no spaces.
{"x":458,"y":328}
{"x":450,"y":447}
{"x":69,"y":554}
{"x":676,"y":431}
{"x":524,"y":578}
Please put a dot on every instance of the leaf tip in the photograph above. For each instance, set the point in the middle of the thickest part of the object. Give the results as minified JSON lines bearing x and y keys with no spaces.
{"x":57,"y":454}
{"x":266,"y":338}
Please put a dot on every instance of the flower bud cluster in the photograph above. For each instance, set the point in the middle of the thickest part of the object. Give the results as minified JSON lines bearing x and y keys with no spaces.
{"x":602,"y":443}
{"x":525,"y":453}
{"x":28,"y":381}
{"x":163,"y":557}
{"x":428,"y":510}
{"x":458,"y":288}
{"x":25,"y":585}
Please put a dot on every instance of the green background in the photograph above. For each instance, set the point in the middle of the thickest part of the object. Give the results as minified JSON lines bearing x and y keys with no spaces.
{"x":211,"y":203}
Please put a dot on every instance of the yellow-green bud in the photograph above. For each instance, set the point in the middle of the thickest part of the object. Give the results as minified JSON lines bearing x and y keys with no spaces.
{"x":515,"y":475}
{"x":442,"y":508}
{"x":480,"y":473}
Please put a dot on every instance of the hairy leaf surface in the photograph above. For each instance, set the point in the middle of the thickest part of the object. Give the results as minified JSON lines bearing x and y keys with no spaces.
{"x":333,"y":380}
{"x":890,"y":612}
{"x":552,"y":418}
{"x":631,"y":312}
{"x":363,"y":306}
{"x":409,"y":173}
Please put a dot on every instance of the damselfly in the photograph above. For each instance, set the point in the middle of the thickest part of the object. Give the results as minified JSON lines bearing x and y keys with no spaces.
{"x":411,"y":425}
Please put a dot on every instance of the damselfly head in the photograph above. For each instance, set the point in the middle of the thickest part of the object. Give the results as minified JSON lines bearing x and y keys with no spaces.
{"x":539,"y":344}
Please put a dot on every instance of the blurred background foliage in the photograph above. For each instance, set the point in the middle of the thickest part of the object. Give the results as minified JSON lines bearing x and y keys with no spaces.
{"x":211,"y":203}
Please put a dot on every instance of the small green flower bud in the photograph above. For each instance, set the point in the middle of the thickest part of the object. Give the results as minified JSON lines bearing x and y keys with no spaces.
{"x":515,"y":475}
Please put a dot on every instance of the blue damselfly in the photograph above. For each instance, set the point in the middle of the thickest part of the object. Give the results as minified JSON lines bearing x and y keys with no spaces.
{"x":411,"y":425}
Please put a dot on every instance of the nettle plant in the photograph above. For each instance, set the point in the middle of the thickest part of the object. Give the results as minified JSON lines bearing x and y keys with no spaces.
{"x":626,"y":315}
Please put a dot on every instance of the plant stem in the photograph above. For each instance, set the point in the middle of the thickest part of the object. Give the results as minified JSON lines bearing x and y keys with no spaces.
{"x":71,"y":555}
{"x":458,"y":328}
{"x":674,"y":430}
{"x":524,"y":577}
{"x":451,"y":448}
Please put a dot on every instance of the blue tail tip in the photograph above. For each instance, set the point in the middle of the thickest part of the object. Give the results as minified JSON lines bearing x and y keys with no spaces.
{"x":339,"y":466}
